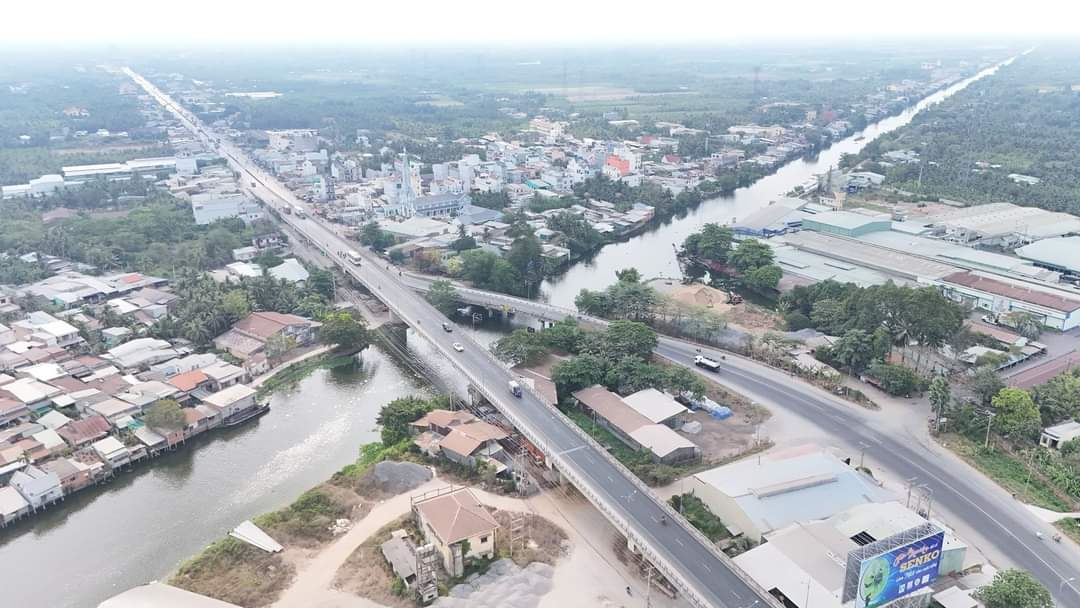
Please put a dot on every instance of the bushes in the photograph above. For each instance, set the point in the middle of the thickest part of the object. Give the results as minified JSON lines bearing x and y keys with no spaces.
{"x":306,"y":520}
{"x":896,"y":379}
{"x":697,"y":513}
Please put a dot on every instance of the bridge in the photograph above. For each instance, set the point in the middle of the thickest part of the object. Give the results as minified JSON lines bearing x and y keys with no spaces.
{"x":694,"y":565}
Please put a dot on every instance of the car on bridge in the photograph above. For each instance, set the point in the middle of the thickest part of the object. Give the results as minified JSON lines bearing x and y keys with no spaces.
{"x":458,"y":347}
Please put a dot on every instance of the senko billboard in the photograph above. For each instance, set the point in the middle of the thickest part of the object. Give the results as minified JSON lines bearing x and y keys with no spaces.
{"x":899,"y":572}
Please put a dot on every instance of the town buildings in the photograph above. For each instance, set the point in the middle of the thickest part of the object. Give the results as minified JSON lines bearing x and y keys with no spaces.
{"x":458,"y":525}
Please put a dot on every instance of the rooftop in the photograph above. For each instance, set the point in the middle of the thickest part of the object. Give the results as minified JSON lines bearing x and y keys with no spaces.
{"x":1061,"y":252}
{"x":776,"y":493}
{"x":1015,"y":291}
{"x":611,"y":407}
{"x":226,"y":397}
{"x":456,"y":516}
{"x":654,"y":405}
{"x":661,"y":440}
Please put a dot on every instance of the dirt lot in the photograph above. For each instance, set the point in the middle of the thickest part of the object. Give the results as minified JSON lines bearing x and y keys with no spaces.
{"x":545,"y":542}
{"x":366,"y":574}
{"x":235,"y":572}
{"x":747,"y":316}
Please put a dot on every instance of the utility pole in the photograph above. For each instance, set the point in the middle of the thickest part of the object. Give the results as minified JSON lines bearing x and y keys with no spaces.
{"x":989,"y":418}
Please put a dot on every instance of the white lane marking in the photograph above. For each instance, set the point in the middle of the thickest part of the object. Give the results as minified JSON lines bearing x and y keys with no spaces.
{"x":678,"y":540}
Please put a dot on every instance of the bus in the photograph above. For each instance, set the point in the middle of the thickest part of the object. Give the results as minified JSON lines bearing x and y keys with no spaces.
{"x":298,"y":210}
{"x":354,"y":257}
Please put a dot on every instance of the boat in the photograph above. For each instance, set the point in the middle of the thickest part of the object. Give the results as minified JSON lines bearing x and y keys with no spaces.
{"x":245,"y":415}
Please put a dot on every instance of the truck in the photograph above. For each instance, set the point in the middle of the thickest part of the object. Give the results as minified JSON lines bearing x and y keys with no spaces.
{"x":298,"y":210}
{"x":515,"y":389}
{"x":707,"y":363}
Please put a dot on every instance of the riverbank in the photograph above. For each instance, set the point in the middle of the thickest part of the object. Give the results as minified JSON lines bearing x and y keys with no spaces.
{"x":140,"y":523}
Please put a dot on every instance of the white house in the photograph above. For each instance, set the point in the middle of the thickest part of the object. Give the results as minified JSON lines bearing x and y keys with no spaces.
{"x":38,"y":487}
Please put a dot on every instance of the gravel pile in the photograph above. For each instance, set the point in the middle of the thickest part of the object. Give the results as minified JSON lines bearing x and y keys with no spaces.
{"x":504,"y":585}
{"x":397,"y":477}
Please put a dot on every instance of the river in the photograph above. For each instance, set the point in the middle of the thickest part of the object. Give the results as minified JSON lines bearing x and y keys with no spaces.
{"x":142,"y":525}
{"x":652,"y":252}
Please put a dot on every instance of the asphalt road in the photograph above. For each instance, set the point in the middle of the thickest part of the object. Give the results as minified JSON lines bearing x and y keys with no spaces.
{"x":708,"y":574}
{"x":984,"y":506}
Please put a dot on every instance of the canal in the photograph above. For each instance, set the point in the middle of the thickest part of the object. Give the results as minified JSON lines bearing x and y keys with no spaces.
{"x":653,"y":253}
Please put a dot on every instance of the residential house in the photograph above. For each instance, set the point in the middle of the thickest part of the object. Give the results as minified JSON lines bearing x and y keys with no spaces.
{"x":79,"y":433}
{"x":39,"y":488}
{"x":12,"y":505}
{"x":1055,"y":436}
{"x":73,"y":474}
{"x":400,"y":553}
{"x":112,"y":452}
{"x":460,"y":437}
{"x":140,"y":353}
{"x":251,"y":334}
{"x":32,"y":393}
{"x":458,"y":526}
{"x":223,"y":375}
{"x":232,"y":400}
{"x":632,"y":428}
{"x":187,"y":383}
{"x":290,"y":270}
{"x":12,"y":409}
{"x":114,"y":410}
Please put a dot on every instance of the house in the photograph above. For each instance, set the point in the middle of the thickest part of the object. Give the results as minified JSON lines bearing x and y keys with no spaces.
{"x":112,"y":452}
{"x":251,"y":334}
{"x":223,"y":375}
{"x":73,"y":474}
{"x":53,"y":420}
{"x":188,"y":382}
{"x":39,"y":488}
{"x":12,"y":505}
{"x":114,"y":410}
{"x":12,"y":409}
{"x":32,"y":393}
{"x":400,"y":553}
{"x":658,"y":407}
{"x":632,"y":428}
{"x":460,"y":437}
{"x":140,"y":353}
{"x":78,"y":433}
{"x":232,"y":400}
{"x":1054,"y":437}
{"x":290,"y":270}
{"x":457,"y":525}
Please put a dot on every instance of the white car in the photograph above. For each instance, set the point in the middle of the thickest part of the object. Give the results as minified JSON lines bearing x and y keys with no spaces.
{"x":458,"y":347}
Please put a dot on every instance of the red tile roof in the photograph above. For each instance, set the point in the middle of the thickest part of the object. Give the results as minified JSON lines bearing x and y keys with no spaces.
{"x":188,"y":381}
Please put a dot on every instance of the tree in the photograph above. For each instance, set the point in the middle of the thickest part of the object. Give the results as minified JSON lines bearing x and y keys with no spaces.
{"x":712,"y":243}
{"x":371,"y":235}
{"x":896,"y":379}
{"x":580,"y":372}
{"x":628,"y":275}
{"x":564,"y":335}
{"x":628,"y":338}
{"x":679,"y":379}
{"x":520,"y":346}
{"x":526,"y":256}
{"x":1025,"y":323}
{"x":763,"y":279}
{"x":939,"y":395}
{"x":443,"y":296}
{"x":985,"y":383}
{"x":1016,"y":413}
{"x":321,"y":282}
{"x":749,"y":255}
{"x":1015,"y":589}
{"x":396,"y":416}
{"x":165,"y":414}
{"x":854,"y":350}
{"x":345,"y":330}
{"x":464,"y":241}
{"x":631,"y":374}
{"x":235,"y":305}
{"x":279,"y":344}
{"x":1059,"y":398}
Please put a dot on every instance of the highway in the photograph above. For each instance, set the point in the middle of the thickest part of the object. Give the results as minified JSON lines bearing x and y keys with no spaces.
{"x":702,"y":573}
{"x":983,"y":505}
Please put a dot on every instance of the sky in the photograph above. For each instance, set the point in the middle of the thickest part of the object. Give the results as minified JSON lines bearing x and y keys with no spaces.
{"x":544,"y":22}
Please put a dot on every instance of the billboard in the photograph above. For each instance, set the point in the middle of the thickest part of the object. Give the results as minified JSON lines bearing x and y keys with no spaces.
{"x":898,"y":572}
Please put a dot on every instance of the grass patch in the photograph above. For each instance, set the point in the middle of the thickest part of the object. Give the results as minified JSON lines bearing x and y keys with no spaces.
{"x":291,"y":375}
{"x":545,"y":542}
{"x":306,"y":522}
{"x":697,"y":513}
{"x":1009,"y":472}
{"x":234,"y":571}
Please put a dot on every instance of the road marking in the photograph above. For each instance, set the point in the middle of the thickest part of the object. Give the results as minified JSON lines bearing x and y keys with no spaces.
{"x":678,"y":540}
{"x":733,"y":592}
{"x":706,"y":566}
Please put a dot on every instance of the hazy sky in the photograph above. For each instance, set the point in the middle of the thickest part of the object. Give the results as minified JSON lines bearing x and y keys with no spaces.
{"x":531,"y":22}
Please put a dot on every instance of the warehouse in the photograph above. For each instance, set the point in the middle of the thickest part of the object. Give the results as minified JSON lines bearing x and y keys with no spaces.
{"x":846,"y":223}
{"x":1058,"y":254}
{"x":1055,"y":308}
{"x":1003,"y":224}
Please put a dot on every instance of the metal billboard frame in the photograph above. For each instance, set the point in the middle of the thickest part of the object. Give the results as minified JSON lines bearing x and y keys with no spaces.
{"x":857,"y":556}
